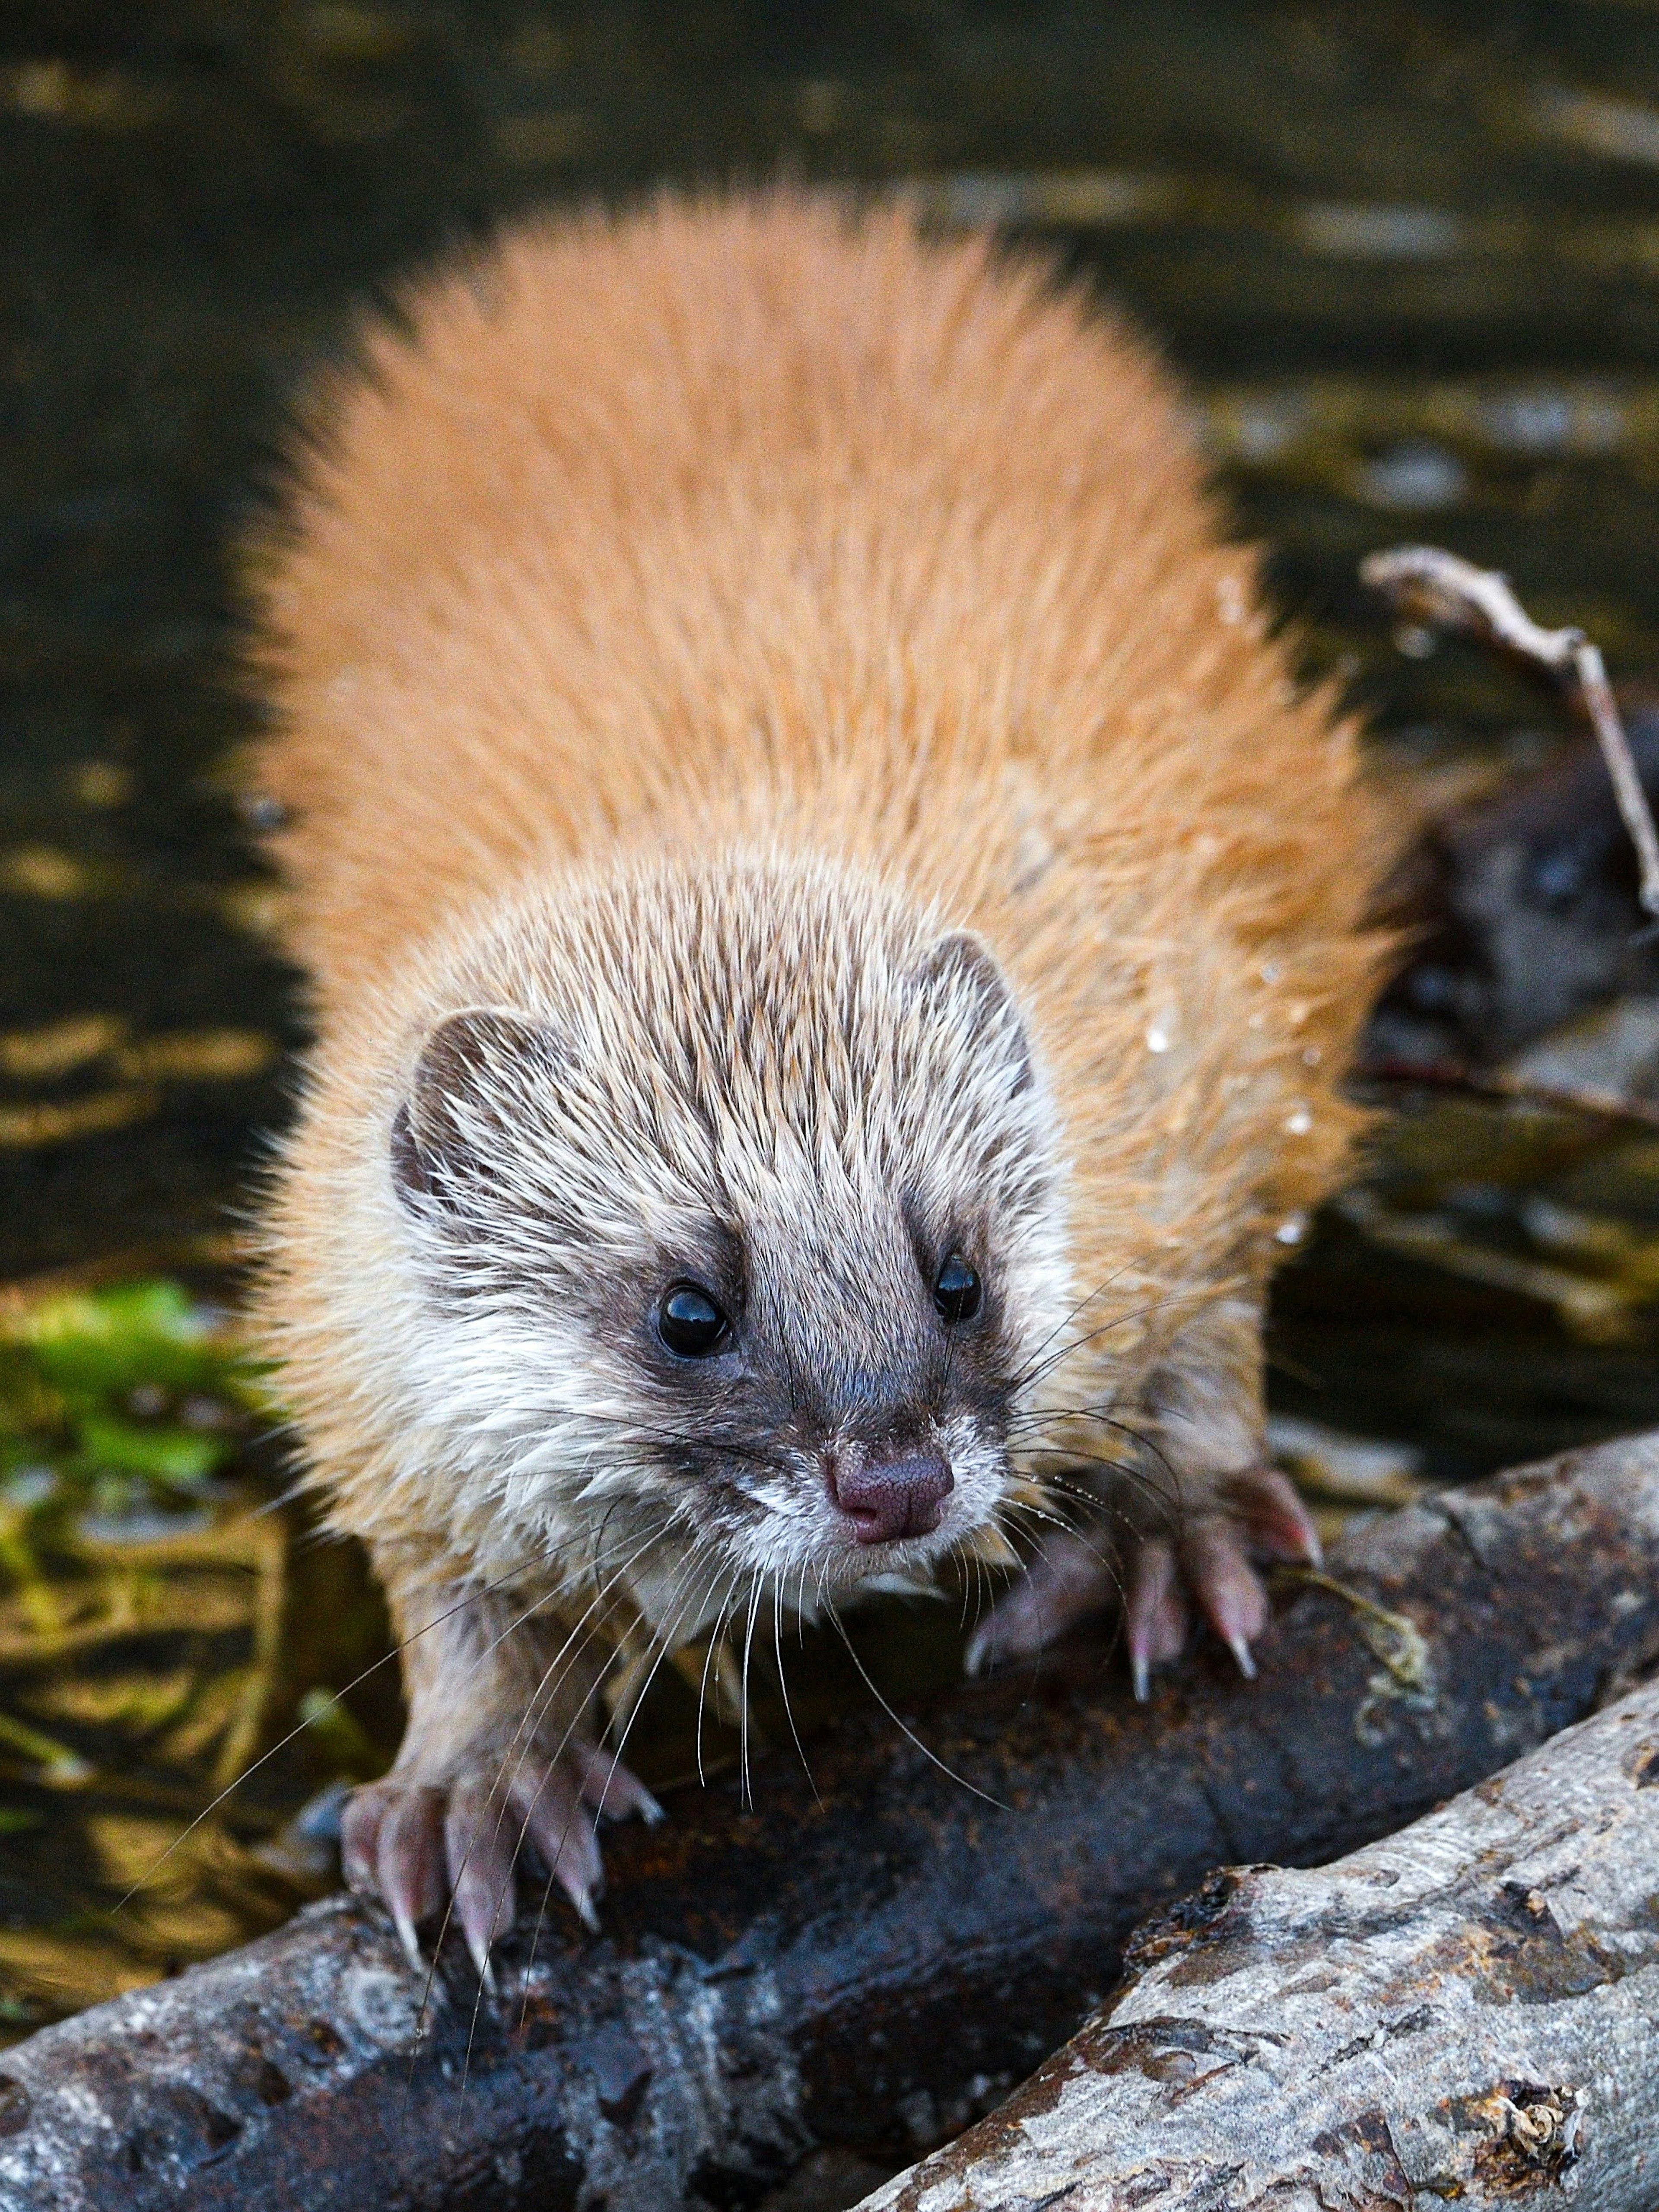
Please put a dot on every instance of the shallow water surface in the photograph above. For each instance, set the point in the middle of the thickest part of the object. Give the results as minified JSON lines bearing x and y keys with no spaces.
{"x":1408,"y":259}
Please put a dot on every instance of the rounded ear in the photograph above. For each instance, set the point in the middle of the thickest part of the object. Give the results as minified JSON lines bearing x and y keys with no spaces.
{"x":471,"y":1074}
{"x":960,"y":970}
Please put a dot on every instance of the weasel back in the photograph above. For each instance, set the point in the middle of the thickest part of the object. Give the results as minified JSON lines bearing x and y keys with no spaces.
{"x":737,"y":516}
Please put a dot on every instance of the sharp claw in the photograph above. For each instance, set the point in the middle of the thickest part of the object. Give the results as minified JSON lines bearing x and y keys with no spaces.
{"x":1002,"y":1634}
{"x":563,"y":1831}
{"x":409,"y":1864}
{"x":480,"y":1833}
{"x":478,"y":1910}
{"x":1064,"y":1584}
{"x":484,"y":1909}
{"x":582,"y":1898}
{"x":1155,"y":1614}
{"x":1271,"y":1509}
{"x":1208,"y":1558}
{"x":1226,"y":1583}
{"x":409,"y":1939}
{"x":614,"y":1790}
{"x":414,"y":1843}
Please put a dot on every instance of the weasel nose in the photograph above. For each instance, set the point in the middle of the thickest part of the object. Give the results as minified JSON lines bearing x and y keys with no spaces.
{"x":885,"y":1499}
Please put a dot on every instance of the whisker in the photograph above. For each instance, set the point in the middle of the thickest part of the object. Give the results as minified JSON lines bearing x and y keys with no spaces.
{"x":681,"y":1581}
{"x":1108,"y":1565}
{"x":746,"y":1793}
{"x":472,"y":1597}
{"x":540,"y":1699}
{"x":783,"y":1685}
{"x":1068,"y":1317}
{"x":902,"y":1726}
{"x":1036,"y":1373}
{"x":715,"y":1636}
{"x":665,"y":1645}
{"x":1034,"y":1414}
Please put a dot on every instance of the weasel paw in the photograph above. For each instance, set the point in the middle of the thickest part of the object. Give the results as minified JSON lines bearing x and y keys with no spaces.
{"x":1209,"y":1557}
{"x":1206,"y":1558}
{"x":413,"y":1843}
{"x":1071,"y":1578}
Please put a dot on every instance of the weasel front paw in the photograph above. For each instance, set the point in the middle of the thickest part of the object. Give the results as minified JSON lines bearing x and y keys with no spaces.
{"x":414,"y":1842}
{"x":1207,"y":1555}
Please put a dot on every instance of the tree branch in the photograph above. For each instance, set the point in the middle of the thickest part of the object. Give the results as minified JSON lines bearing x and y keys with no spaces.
{"x":869,"y":1973}
{"x":1468,"y":2011}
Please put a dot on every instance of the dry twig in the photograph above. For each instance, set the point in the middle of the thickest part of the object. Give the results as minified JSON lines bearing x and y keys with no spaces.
{"x":1445,"y":591}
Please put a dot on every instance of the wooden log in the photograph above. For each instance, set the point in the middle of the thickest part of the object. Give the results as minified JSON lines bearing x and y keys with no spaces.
{"x":869,"y":1968}
{"x":1468,"y":2011}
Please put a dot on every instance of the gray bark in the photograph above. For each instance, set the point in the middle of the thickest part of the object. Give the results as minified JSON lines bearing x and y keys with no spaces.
{"x":867,"y":1967}
{"x":1468,"y":2011}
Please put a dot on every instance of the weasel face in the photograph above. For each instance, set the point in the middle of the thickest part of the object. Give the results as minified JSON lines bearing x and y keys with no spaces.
{"x":735,"y":1235}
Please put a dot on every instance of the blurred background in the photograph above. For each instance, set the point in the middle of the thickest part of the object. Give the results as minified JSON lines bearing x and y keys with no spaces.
{"x":1406,"y":258}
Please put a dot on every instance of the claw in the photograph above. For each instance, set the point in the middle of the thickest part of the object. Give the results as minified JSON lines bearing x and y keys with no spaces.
{"x":614,"y":1792}
{"x":359,"y":1830}
{"x":1207,"y":1552}
{"x":481,"y":1832}
{"x":1227,"y":1587}
{"x":563,"y":1829}
{"x":413,"y":1843}
{"x":409,"y":1863}
{"x":1156,"y":1613}
{"x":1271,"y":1508}
{"x":586,"y":1911}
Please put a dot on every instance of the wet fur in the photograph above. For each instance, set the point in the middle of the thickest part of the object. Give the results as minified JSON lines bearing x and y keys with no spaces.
{"x":690,"y":621}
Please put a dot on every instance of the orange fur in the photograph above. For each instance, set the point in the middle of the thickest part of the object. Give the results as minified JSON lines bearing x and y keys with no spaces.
{"x":749,"y":525}
{"x":747,"y":518}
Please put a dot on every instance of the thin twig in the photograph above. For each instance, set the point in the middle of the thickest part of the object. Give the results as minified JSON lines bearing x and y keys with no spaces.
{"x":1447,"y":592}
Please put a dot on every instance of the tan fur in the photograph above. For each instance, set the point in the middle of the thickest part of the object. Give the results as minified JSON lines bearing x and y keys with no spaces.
{"x":751,"y":527}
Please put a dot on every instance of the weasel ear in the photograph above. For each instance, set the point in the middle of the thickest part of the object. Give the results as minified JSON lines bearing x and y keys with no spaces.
{"x":960,"y":973}
{"x":473,"y":1075}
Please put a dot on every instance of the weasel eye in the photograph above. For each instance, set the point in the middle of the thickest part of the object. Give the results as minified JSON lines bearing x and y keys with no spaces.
{"x":689,"y":1322}
{"x":957,"y":1292}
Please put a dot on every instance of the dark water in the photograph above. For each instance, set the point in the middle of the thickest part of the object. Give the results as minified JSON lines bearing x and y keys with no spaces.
{"x":1408,"y":257}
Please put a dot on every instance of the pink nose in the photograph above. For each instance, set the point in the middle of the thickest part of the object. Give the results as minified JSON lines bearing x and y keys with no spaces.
{"x":887,"y":1500}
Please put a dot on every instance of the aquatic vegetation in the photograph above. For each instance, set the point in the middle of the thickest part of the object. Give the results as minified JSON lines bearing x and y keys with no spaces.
{"x":150,"y":1575}
{"x":120,"y":1398}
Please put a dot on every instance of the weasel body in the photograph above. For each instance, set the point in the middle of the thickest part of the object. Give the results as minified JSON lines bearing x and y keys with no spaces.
{"x":834,"y":939}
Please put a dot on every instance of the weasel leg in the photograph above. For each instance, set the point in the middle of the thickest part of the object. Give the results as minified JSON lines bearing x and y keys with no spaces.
{"x":495,"y":1756}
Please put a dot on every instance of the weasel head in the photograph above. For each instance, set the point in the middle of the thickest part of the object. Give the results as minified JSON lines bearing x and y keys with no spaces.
{"x":728,"y":1220}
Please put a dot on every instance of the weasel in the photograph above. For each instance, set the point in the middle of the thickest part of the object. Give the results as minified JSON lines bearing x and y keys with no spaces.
{"x":834,"y":934}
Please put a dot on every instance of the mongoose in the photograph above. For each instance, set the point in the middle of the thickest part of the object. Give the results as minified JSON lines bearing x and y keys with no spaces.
{"x":833,"y":935}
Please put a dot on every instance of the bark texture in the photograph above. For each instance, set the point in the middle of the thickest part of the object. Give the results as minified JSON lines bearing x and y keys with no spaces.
{"x":869,"y":1969}
{"x":1468,"y":2011}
